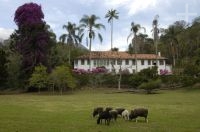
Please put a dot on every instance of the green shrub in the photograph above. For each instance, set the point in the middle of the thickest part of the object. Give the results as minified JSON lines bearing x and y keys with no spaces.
{"x":81,"y":80}
{"x":62,"y":78}
{"x":171,"y":81}
{"x":38,"y":78}
{"x":191,"y":70}
{"x":136,"y":80}
{"x":188,"y":80}
{"x":150,"y":86}
{"x":149,"y":73}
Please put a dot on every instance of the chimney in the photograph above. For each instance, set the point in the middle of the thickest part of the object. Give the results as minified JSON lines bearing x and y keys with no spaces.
{"x":159,"y":54}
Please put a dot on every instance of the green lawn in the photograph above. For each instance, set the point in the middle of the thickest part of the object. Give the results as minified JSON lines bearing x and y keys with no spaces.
{"x":169,"y":111}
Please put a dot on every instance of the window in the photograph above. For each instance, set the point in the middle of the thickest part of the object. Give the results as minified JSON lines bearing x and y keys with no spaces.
{"x":142,"y":62}
{"x":161,"y":62}
{"x":107,"y":62}
{"x":88,"y":62}
{"x":133,"y":62}
{"x":149,"y":62}
{"x":95,"y":62}
{"x":76,"y":62}
{"x":154,"y":63}
{"x":82,"y":62}
{"x":119,"y":62}
{"x":101,"y":63}
{"x":104,"y":62}
{"x":127,"y":62}
{"x":112,"y":62}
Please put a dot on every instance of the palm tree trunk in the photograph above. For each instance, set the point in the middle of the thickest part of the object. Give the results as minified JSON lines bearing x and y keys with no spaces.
{"x":90,"y":48}
{"x":156,"y":44}
{"x":120,"y":77}
{"x":111,"y":34}
{"x":69,"y":59}
{"x":136,"y":66}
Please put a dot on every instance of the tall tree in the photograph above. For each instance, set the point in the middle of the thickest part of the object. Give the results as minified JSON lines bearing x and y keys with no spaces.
{"x":171,"y":36}
{"x":71,"y":36}
{"x":134,"y":30}
{"x":171,"y":40}
{"x":32,"y":37}
{"x":155,"y":34}
{"x":89,"y":24}
{"x":3,"y":67}
{"x":111,"y":15}
{"x":141,"y":42}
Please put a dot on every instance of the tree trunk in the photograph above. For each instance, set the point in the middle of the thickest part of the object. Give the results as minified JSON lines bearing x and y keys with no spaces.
{"x":135,"y":52}
{"x":111,"y":34}
{"x":90,"y":48}
{"x":69,"y":55}
{"x":120,"y":77}
{"x":119,"y":81}
{"x":53,"y":88}
{"x":61,"y":92}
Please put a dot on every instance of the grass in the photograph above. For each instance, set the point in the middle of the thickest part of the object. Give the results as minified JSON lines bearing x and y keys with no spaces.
{"x":169,"y":111}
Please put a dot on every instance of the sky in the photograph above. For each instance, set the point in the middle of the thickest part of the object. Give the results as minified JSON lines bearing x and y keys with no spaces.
{"x":59,"y":12}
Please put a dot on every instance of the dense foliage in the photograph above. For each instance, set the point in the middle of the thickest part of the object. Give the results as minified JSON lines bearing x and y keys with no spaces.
{"x":151,"y":85}
{"x":62,"y":78}
{"x":3,"y":71}
{"x":39,"y":77}
{"x":32,"y":38}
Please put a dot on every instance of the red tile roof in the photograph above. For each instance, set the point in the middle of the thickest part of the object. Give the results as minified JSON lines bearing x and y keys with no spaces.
{"x":118,"y":55}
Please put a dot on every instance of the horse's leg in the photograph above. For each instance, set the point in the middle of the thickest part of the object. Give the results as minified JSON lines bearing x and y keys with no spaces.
{"x":127,"y":117}
{"x":107,"y":121}
{"x":146,"y":119}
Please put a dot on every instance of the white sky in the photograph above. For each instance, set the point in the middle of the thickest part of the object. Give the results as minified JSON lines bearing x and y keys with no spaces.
{"x":59,"y":12}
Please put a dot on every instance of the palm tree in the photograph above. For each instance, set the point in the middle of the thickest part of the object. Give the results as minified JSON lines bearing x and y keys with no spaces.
{"x":111,"y":14}
{"x":88,"y":23}
{"x":134,"y":30}
{"x":155,"y":34}
{"x":72,"y":38}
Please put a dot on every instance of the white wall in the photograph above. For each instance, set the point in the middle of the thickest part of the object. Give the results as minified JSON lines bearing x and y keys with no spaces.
{"x":130,"y":67}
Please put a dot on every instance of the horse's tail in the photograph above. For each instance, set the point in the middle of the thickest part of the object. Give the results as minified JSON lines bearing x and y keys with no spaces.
{"x":98,"y":120}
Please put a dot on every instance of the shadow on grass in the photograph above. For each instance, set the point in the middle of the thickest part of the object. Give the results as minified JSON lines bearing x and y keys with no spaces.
{"x":135,"y":91}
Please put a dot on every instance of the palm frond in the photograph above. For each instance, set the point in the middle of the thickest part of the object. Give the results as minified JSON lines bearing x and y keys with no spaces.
{"x":131,"y":34}
{"x":99,"y":26}
{"x":100,"y":37}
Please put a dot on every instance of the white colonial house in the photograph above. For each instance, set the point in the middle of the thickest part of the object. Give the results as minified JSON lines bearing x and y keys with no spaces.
{"x":115,"y":59}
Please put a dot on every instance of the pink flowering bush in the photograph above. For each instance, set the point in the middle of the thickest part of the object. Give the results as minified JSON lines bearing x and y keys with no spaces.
{"x":164,"y":72}
{"x":80,"y":71}
{"x":94,"y":70}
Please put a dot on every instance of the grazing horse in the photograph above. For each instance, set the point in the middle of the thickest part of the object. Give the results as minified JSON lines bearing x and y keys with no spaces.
{"x":106,"y":116}
{"x":125,"y":114}
{"x":113,"y":114}
{"x":139,"y":112}
{"x":97,"y":111}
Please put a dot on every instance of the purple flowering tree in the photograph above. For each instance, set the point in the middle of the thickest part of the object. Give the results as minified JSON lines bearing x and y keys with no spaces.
{"x":31,"y":39}
{"x":29,"y":14}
